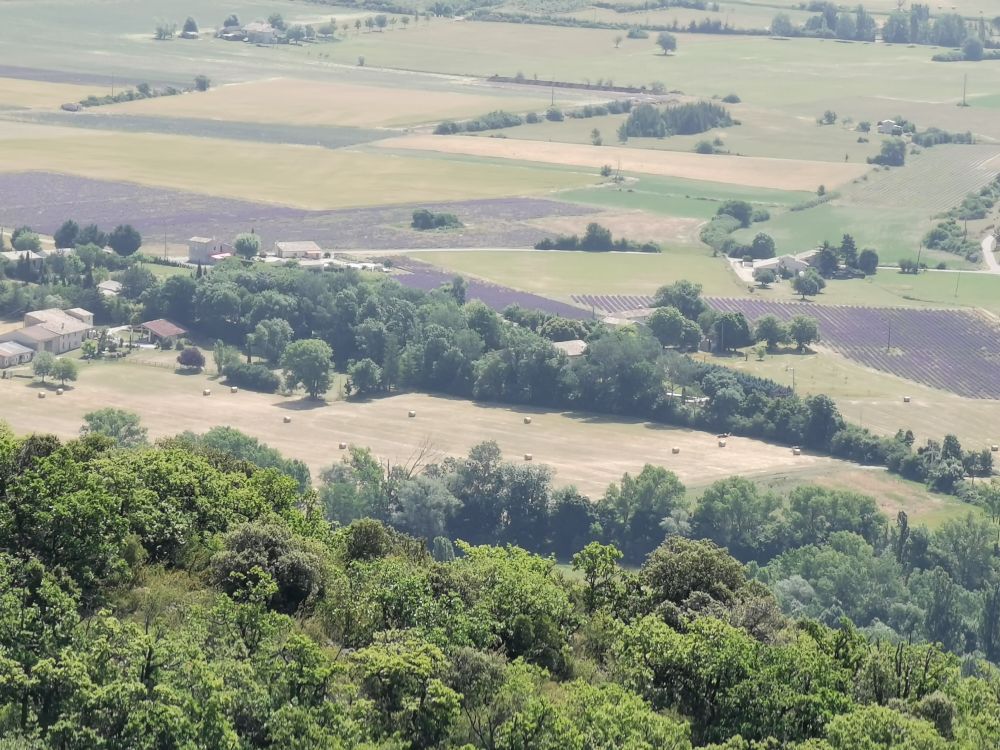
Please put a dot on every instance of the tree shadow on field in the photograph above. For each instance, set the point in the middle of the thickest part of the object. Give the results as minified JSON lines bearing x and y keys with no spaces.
{"x":306,"y":403}
{"x":50,"y":386}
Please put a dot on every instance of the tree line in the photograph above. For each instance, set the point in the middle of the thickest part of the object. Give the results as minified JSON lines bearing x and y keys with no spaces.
{"x":388,"y":337}
{"x":174,"y":597}
{"x":646,"y":121}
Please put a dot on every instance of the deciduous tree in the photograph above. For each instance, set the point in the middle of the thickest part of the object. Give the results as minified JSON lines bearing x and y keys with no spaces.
{"x":121,"y":426}
{"x":308,"y":363}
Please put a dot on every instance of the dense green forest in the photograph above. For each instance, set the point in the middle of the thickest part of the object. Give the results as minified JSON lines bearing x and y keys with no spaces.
{"x":824,"y":553}
{"x":178,"y":596}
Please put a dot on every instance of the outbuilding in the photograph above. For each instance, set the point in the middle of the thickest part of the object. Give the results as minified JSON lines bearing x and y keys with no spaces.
{"x":161,"y":329}
{"x":13,"y":353}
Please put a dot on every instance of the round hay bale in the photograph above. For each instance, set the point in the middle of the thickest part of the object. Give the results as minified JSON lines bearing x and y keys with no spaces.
{"x":675,"y":450}
{"x":206,"y":392}
{"x":906,"y":399}
{"x":527,"y":420}
{"x":722,"y":443}
{"x":59,"y":391}
{"x":234,"y":389}
{"x":286,"y":420}
{"x":412,"y":414}
{"x":528,"y":457}
{"x":343,"y":446}
{"x":41,"y":394}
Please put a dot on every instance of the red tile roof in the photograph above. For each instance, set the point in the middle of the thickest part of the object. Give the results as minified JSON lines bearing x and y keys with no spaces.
{"x":164,"y":328}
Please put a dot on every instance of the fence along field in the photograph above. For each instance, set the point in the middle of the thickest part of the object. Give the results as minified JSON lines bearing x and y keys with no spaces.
{"x":953,"y":350}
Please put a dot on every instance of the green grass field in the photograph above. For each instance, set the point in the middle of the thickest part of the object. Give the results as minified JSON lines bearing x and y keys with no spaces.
{"x":894,"y":233}
{"x":560,"y":275}
{"x":674,"y":196}
{"x":809,"y":71}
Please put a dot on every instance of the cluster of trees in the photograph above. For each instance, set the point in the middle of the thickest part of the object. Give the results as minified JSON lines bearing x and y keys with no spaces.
{"x":123,"y":239}
{"x":973,"y":50}
{"x":68,"y":277}
{"x":501,"y":119}
{"x":934,"y":136}
{"x":490,"y":121}
{"x":829,"y":23}
{"x":597,"y":239}
{"x":646,"y":121}
{"x":46,"y":364}
{"x":977,"y":205}
{"x":141,"y":91}
{"x":730,"y":216}
{"x":170,"y":596}
{"x":912,"y":26}
{"x":892,"y":153}
{"x":844,"y":260}
{"x":915,"y":26}
{"x":952,"y":237}
{"x":424,"y":219}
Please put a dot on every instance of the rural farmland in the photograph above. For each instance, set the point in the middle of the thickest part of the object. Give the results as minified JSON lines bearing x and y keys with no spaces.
{"x":955,"y":351}
{"x":481,"y":374}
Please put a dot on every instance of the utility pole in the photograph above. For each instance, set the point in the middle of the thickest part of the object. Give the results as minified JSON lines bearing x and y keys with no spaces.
{"x":965,"y":82}
{"x":959,"y":275}
{"x":888,"y":342}
{"x":112,"y":85}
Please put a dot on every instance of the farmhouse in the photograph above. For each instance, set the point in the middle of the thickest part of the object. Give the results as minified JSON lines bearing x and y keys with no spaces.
{"x":109,"y":288}
{"x":13,"y":353}
{"x":161,"y":329}
{"x":307,"y":250}
{"x":788,"y":264}
{"x":889,"y":127}
{"x":260,"y":33}
{"x":208,"y":250}
{"x":13,"y":256}
{"x":53,"y":330}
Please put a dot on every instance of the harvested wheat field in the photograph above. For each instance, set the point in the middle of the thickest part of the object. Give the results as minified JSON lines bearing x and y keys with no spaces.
{"x":287,"y":100}
{"x":16,"y":93}
{"x":586,"y":450}
{"x":751,"y":171}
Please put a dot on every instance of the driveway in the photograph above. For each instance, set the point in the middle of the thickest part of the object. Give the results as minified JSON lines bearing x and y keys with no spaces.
{"x":989,"y":245}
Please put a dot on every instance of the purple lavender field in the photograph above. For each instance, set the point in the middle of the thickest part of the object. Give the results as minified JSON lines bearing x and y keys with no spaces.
{"x":44,"y":201}
{"x":613,"y":303}
{"x":953,"y":350}
{"x":423,"y":276}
